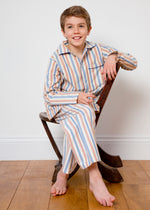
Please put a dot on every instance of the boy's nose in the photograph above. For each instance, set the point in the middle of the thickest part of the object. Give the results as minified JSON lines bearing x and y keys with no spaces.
{"x":76,"y":30}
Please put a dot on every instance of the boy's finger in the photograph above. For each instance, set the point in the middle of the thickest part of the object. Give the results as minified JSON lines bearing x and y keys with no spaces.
{"x":113,"y":73}
{"x":91,"y":95}
{"x":109,"y":75}
{"x":104,"y":74}
{"x":87,"y":101}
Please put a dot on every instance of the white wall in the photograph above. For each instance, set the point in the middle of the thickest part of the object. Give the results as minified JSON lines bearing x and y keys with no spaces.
{"x":29,"y":33}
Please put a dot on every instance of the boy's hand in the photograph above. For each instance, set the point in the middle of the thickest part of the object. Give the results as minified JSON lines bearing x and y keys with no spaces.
{"x":110,"y":67}
{"x":85,"y":98}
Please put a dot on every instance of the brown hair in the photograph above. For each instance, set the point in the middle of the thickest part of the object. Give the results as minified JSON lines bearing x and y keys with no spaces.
{"x":76,"y":11}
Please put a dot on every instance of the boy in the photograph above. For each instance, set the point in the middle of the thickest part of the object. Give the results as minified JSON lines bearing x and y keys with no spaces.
{"x":76,"y":75}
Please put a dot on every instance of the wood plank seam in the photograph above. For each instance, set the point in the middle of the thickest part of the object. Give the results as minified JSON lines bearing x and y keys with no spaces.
{"x":126,"y":200}
{"x":144,"y":170}
{"x":18,"y":185}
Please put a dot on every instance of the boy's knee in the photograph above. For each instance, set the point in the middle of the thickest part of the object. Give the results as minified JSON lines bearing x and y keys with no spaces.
{"x":88,"y":111}
{"x":83,"y":110}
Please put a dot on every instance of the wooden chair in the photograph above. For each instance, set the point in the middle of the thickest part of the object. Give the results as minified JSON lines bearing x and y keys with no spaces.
{"x":109,"y":164}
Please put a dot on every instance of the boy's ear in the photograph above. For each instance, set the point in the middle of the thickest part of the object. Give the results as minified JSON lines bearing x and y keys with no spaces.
{"x":63,"y":32}
{"x":89,"y":30}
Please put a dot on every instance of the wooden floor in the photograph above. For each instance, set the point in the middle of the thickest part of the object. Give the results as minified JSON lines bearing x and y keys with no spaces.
{"x":25,"y":185}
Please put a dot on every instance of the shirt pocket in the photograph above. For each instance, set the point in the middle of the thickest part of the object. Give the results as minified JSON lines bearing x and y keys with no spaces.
{"x":95,"y":65}
{"x":96,"y":77}
{"x":95,"y":71}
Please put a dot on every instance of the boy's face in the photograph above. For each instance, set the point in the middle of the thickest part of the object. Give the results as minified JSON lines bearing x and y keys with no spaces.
{"x":75,"y":31}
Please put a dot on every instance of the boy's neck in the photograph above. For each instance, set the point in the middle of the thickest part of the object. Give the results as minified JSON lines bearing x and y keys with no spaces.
{"x":78,"y":51}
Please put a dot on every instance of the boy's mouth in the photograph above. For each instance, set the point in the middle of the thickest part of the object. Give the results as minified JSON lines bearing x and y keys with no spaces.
{"x":77,"y":37}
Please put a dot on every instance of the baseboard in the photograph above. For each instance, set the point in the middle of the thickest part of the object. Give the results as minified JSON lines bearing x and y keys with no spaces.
{"x":40,"y":148}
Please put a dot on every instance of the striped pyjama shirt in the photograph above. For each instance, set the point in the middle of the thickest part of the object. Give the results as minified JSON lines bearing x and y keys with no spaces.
{"x":66,"y":77}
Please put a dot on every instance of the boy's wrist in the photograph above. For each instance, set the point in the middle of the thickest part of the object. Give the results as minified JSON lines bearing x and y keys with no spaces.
{"x":114,"y":56}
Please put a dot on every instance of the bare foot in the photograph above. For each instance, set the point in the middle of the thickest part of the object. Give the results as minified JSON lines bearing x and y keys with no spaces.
{"x":98,"y":187}
{"x":60,"y":186}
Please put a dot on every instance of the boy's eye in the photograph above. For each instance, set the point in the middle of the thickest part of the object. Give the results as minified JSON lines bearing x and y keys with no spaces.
{"x":81,"y":26}
{"x":69,"y":26}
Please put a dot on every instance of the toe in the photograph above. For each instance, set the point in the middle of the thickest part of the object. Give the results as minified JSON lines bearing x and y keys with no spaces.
{"x":104,"y":202}
{"x":53,"y":191}
{"x":57,"y":191}
{"x":60,"y":193}
{"x":101,"y":202}
{"x":63,"y":191}
{"x":112,"y":198}
{"x":109,"y":202}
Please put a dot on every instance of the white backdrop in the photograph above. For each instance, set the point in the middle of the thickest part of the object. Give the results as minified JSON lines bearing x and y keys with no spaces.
{"x":29,"y":33}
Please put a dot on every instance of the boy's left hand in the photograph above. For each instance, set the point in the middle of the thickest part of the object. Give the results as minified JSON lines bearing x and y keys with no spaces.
{"x":110,"y":67}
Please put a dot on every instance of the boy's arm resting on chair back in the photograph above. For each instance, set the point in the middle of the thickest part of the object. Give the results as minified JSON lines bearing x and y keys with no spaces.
{"x":70,"y":80}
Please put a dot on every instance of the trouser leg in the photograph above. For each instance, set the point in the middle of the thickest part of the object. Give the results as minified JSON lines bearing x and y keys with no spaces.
{"x":69,"y":162}
{"x":78,"y":122}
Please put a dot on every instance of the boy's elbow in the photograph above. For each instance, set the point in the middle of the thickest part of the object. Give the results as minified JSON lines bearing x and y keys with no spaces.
{"x":135,"y":64}
{"x":46,"y":98}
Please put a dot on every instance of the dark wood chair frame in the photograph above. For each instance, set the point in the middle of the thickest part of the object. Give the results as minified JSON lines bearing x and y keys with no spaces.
{"x":109,"y":163}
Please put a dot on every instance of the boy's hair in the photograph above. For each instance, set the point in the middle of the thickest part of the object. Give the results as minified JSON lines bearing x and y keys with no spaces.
{"x":76,"y":11}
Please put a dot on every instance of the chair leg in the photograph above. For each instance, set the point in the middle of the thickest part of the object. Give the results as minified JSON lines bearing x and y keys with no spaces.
{"x":111,"y":160}
{"x":57,"y":169}
{"x":110,"y":174}
{"x":74,"y":171}
{"x":52,"y":140}
{"x":59,"y":163}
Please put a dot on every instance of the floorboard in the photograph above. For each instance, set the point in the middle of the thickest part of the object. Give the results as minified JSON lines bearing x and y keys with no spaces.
{"x":11,"y":173}
{"x":34,"y":190}
{"x":25,"y":185}
{"x":133,"y":173}
{"x":137,"y":196}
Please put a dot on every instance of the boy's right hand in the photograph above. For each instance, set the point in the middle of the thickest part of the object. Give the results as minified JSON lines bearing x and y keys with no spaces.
{"x":85,"y":98}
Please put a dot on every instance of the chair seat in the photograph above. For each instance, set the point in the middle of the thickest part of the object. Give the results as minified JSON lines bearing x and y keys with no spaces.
{"x":43,"y":116}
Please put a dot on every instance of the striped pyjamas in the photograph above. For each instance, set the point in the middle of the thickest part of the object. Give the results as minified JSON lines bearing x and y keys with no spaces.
{"x":66,"y":77}
{"x":78,"y":122}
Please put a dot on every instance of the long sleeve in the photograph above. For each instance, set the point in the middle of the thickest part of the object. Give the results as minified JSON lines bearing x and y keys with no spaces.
{"x":52,"y":87}
{"x":127,"y":61}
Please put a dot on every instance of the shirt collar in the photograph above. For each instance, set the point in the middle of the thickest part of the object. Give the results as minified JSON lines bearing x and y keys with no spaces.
{"x":63,"y":49}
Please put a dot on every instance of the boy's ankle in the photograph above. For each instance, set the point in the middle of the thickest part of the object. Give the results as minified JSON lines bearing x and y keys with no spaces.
{"x":94,"y":172}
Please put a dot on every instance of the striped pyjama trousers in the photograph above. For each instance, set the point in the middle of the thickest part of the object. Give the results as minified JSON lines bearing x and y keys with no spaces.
{"x":79,"y":145}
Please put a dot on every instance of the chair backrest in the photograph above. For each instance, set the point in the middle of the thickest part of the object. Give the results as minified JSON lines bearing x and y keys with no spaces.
{"x":101,"y":101}
{"x":104,"y":94}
